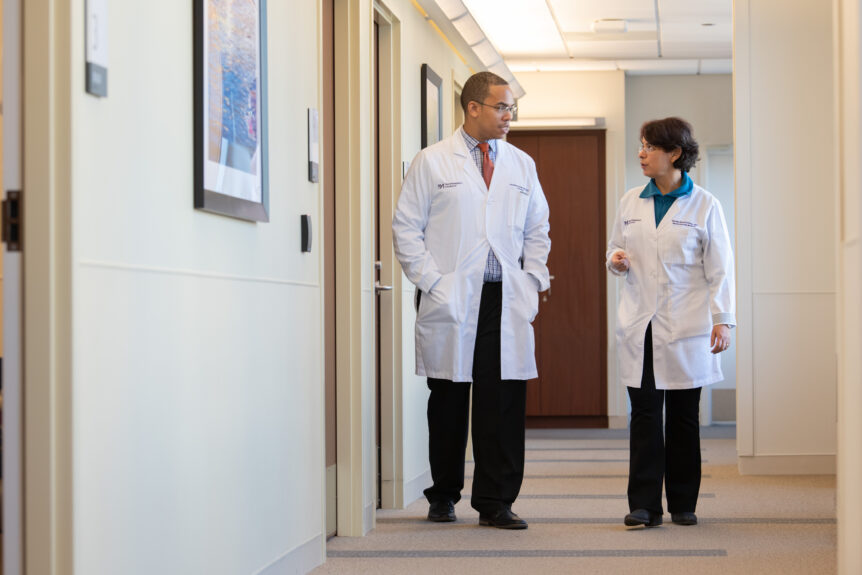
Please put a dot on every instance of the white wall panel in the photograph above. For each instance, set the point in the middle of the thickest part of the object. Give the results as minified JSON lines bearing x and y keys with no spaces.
{"x":198,"y":379}
{"x":795,"y":376}
{"x":786,"y":222}
{"x":792,"y":134}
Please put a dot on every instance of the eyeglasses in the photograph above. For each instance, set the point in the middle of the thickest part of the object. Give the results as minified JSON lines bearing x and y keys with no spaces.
{"x":648,"y":148}
{"x":500,"y":108}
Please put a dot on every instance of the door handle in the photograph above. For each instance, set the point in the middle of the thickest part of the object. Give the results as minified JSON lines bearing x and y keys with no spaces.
{"x":378,"y":265}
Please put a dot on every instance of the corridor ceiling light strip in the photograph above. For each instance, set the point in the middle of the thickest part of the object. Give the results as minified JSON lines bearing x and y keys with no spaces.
{"x":434,"y":25}
{"x":464,"y":23}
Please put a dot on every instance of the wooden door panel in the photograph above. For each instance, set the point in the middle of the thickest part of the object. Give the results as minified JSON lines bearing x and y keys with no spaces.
{"x":571,"y":326}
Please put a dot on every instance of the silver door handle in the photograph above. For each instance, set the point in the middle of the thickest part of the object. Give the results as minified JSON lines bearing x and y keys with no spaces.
{"x":379,"y":288}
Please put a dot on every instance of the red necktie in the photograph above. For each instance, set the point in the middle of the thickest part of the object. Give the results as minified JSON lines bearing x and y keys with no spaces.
{"x":487,"y":164}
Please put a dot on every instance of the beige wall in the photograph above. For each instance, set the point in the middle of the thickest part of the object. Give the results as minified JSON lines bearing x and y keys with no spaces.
{"x":600,"y":95}
{"x":784,"y":135}
{"x":706,"y":101}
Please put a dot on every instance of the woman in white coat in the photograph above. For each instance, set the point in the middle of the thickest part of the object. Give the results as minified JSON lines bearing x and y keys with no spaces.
{"x":670,"y":244}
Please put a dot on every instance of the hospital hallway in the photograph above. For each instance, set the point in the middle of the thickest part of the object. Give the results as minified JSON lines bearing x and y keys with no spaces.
{"x":574,"y":499}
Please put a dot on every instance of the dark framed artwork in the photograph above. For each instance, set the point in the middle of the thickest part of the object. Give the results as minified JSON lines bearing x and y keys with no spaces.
{"x":432,"y":107}
{"x":230,"y":108}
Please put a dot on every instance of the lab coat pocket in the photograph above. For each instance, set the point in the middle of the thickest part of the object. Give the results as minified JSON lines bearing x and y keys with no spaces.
{"x":533,"y":294}
{"x":518,"y":200}
{"x":689,"y":311}
{"x":440,"y":304}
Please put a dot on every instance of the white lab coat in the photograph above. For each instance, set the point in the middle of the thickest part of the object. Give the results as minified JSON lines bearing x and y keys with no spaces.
{"x":445,"y":222}
{"x":681,"y":279}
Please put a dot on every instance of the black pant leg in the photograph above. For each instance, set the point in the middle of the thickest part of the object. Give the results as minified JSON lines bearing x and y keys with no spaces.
{"x":682,"y":449}
{"x":448,"y":406}
{"x":498,"y":443}
{"x":499,"y":411}
{"x":646,"y":439}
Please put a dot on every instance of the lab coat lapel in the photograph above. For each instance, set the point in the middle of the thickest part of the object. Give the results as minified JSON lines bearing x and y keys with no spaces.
{"x":460,"y":150}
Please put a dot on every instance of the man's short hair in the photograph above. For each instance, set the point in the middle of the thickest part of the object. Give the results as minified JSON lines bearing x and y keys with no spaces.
{"x":478,"y":86}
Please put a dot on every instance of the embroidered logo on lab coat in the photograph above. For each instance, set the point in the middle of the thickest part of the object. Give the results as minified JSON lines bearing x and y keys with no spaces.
{"x":447,"y":185}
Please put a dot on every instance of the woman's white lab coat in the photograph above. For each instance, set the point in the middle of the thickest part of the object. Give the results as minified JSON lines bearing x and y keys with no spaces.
{"x":446,"y":221}
{"x":681,"y":279}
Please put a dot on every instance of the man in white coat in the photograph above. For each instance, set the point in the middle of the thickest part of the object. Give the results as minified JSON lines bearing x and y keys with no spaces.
{"x":471,"y":231}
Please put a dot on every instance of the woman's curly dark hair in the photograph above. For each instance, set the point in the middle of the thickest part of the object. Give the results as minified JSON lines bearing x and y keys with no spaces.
{"x":669,"y":134}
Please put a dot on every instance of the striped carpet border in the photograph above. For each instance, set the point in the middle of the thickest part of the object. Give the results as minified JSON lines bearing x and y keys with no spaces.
{"x":525,"y":553}
{"x":618,"y":520}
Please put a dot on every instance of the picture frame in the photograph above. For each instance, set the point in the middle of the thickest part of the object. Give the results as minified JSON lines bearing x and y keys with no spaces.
{"x":432,"y":106}
{"x":231,"y":164}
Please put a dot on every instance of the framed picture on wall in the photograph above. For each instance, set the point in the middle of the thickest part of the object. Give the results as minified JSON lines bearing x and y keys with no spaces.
{"x":432,"y":107}
{"x":230,"y":108}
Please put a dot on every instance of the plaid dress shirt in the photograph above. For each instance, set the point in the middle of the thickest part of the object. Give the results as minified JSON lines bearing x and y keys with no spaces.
{"x":493,"y":270}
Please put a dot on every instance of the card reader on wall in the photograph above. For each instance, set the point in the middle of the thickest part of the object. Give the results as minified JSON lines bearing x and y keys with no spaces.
{"x":306,"y":233}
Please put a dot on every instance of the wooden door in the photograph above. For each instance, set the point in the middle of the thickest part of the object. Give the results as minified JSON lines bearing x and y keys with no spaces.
{"x":571,"y":328}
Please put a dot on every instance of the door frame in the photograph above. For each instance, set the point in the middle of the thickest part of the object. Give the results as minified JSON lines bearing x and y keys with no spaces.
{"x":354,"y":266}
{"x":47,"y":278}
{"x":391,"y":444}
{"x":13,"y":460}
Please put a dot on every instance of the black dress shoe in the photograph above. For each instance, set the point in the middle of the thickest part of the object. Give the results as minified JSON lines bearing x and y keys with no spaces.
{"x":441,"y":511}
{"x":502,"y":519}
{"x":643,"y":517}
{"x":684,"y":518}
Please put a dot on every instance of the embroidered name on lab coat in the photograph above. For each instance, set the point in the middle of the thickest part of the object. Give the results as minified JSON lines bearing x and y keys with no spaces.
{"x":447,"y":185}
{"x":631,"y":221}
{"x":522,"y":189}
{"x":684,"y":223}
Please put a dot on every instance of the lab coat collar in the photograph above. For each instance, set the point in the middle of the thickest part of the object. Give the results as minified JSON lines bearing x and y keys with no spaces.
{"x":473,"y":142}
{"x":684,"y":189}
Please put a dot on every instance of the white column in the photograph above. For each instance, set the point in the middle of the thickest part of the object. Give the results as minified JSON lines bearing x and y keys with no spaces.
{"x":848,"y":143}
{"x":786,"y":221}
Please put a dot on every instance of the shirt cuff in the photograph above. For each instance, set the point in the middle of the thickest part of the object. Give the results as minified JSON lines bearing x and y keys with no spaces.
{"x":724,"y":318}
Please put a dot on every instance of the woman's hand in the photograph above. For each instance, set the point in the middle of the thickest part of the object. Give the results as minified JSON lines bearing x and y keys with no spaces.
{"x":720,"y":339}
{"x":620,"y":261}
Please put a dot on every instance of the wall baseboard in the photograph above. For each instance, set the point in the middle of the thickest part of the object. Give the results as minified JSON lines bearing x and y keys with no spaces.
{"x":618,"y":421}
{"x":368,"y":516}
{"x":302,"y":559}
{"x":787,"y":465}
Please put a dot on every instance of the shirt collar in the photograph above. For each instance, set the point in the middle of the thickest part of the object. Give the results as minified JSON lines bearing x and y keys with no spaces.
{"x":473,"y":142}
{"x":684,"y":188}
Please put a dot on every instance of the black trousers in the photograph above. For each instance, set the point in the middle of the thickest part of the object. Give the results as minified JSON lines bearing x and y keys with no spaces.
{"x":673,"y":455}
{"x":499,"y":409}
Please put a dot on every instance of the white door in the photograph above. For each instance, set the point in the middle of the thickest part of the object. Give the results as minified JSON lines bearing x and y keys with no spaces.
{"x":12,"y":265}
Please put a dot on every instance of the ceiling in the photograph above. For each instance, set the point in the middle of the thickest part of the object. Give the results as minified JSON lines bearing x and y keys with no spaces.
{"x":637,"y":36}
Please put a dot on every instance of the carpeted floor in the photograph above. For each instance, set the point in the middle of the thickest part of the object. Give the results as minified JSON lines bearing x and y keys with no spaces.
{"x":574,"y":500}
